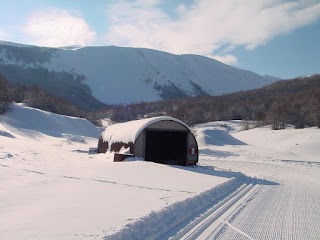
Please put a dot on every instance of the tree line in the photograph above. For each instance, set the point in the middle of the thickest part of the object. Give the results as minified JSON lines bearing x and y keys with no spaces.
{"x":35,"y":97}
{"x":295,"y":102}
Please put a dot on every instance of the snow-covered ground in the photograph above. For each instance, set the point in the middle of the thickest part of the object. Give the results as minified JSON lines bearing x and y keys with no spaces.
{"x":53,"y":187}
{"x":287,"y":204}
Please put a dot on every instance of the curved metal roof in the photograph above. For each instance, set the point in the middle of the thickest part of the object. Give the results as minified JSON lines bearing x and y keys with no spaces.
{"x":129,"y":131}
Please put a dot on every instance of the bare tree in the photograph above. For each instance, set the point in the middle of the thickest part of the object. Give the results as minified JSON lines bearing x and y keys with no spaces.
{"x":277,"y":116}
{"x":5,"y":97}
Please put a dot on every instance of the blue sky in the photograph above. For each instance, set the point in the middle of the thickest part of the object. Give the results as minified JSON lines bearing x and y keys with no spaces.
{"x":276,"y":37}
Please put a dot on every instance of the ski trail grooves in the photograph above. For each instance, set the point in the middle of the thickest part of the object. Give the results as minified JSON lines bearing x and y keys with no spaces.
{"x":288,"y":211}
{"x":209,"y":224}
{"x":238,"y":230}
{"x":167,"y":222}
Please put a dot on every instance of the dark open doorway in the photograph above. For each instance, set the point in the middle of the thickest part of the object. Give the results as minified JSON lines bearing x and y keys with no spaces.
{"x":166,"y":147}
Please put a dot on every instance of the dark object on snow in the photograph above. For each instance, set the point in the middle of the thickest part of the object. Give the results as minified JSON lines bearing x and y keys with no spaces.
{"x":121,"y":157}
{"x":159,"y":139}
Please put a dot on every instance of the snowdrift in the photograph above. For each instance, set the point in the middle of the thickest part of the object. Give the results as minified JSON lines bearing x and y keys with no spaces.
{"x":56,"y":179}
{"x":23,"y":117}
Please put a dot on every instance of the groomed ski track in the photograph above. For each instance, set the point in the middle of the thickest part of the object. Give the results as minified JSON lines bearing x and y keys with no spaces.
{"x":200,"y":217}
{"x":167,"y":222}
{"x":207,"y":224}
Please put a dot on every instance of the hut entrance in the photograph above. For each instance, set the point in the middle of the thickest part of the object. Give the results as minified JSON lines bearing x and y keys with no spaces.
{"x":166,"y":147}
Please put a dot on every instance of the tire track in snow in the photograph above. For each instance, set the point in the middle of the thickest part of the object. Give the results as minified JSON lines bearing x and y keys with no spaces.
{"x":139,"y":186}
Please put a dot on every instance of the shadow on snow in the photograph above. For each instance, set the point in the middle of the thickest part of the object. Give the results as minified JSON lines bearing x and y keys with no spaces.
{"x":220,"y":138}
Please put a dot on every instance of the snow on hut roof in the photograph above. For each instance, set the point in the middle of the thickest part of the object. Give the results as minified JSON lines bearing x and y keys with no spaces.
{"x":129,"y":131}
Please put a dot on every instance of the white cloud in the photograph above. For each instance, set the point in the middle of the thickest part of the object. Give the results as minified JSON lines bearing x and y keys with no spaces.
{"x":227,"y":59}
{"x":3,"y":34}
{"x":56,"y":27}
{"x":207,"y":25}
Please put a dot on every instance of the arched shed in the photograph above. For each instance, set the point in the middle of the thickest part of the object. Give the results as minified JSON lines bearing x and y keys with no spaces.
{"x":158,"y":139}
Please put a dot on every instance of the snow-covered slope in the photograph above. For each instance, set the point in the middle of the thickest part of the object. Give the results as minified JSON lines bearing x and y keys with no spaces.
{"x":31,"y":119}
{"x":2,"y":42}
{"x":52,"y":187}
{"x":288,"y":144}
{"x":117,"y":75}
{"x":271,"y":78}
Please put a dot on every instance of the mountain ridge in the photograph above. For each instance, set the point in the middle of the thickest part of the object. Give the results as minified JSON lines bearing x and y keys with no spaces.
{"x":121,"y":75}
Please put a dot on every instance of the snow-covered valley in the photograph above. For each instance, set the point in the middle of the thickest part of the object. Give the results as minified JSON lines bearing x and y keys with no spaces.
{"x":53,"y":187}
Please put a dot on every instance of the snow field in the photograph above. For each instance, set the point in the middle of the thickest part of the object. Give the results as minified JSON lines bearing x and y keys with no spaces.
{"x":286,"y":206}
{"x":285,"y":209}
{"x":161,"y":224}
{"x":51,"y":187}
{"x":301,"y":144}
{"x":204,"y":226}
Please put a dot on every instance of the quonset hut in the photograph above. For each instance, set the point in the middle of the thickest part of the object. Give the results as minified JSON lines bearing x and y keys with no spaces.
{"x":158,"y":139}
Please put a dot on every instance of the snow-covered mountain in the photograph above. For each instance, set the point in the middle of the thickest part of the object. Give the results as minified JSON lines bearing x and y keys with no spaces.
{"x":116,"y":75}
{"x":272,"y":78}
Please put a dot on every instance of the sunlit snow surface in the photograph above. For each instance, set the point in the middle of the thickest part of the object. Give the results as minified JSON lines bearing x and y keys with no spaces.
{"x":287,"y":204}
{"x":119,"y":75}
{"x":52,"y":187}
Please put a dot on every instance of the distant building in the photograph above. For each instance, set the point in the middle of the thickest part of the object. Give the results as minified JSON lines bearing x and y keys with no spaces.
{"x":158,"y":139}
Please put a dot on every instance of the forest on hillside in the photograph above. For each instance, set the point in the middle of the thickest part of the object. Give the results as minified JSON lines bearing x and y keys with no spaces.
{"x":295,"y":102}
{"x":34,"y":97}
